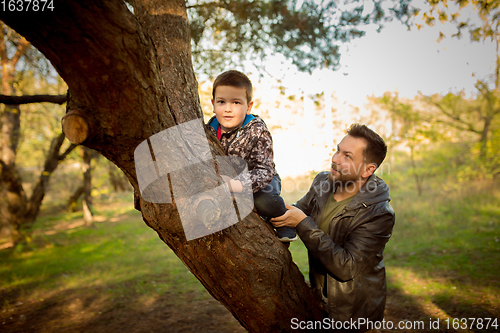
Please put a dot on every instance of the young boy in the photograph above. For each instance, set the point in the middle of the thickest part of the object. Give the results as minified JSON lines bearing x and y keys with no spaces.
{"x":246,"y":136}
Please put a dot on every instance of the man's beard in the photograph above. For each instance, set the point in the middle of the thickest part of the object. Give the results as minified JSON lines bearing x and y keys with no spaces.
{"x":340,"y":179}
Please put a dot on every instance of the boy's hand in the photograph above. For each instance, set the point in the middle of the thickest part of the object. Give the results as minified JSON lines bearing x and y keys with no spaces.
{"x":234,"y":186}
{"x":291,"y":218}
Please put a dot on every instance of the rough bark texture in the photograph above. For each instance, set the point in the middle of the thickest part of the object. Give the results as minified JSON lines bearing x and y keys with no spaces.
{"x":132,"y":77}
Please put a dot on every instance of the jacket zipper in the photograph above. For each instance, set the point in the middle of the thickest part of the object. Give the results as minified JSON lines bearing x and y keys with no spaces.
{"x":231,"y":142}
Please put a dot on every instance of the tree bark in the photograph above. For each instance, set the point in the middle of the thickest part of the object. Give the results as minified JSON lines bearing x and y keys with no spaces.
{"x":131,"y":77}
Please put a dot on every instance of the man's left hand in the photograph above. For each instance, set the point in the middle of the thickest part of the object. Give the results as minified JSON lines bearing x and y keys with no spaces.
{"x":291,"y":218}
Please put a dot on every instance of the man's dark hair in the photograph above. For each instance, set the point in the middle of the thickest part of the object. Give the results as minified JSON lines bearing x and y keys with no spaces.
{"x":234,"y":78}
{"x":376,"y":149}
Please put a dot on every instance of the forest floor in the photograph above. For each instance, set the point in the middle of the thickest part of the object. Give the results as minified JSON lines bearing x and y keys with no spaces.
{"x":117,"y":276}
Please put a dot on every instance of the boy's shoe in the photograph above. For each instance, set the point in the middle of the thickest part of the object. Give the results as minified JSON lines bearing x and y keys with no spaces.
{"x":286,"y":234}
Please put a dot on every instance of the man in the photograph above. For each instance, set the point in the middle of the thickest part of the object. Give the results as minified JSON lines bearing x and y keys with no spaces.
{"x":345,"y":220}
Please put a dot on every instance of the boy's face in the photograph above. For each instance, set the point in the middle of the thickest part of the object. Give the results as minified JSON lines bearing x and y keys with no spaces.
{"x":230,"y":107}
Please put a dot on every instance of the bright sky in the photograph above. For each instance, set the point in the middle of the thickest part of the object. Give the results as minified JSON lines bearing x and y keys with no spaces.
{"x":398,"y":59}
{"x":393,"y":60}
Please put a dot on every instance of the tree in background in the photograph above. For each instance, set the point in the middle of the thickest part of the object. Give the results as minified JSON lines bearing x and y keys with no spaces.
{"x":408,"y":129}
{"x":19,"y":210}
{"x":480,"y":114}
{"x":225,"y":33}
{"x":480,"y":17}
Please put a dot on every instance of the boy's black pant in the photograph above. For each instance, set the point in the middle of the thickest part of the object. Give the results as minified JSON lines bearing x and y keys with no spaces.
{"x":268,"y":201}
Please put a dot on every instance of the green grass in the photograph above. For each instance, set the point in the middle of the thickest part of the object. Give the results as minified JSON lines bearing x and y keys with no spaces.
{"x":443,"y":254}
{"x":445,"y":250}
{"x":122,"y":257}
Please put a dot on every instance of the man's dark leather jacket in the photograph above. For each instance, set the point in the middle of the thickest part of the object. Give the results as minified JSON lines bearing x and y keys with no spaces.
{"x":351,"y":255}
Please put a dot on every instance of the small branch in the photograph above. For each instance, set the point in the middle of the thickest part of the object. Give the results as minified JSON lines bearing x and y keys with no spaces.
{"x":28,"y":99}
{"x":66,"y":153}
{"x":203,"y":5}
{"x":22,"y":47}
{"x":75,"y":126}
{"x":468,"y":126}
{"x":457,"y":126}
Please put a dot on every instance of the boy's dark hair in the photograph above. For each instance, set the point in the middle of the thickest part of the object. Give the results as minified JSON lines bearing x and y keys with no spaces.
{"x":376,"y":149}
{"x":234,"y":78}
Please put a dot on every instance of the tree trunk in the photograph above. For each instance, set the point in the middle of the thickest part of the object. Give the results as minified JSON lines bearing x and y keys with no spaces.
{"x":13,"y":198}
{"x":88,"y":217}
{"x":117,"y":179}
{"x":130,"y":77}
{"x":17,"y":210}
{"x":414,"y":168}
{"x":5,"y":228}
{"x":51,"y":163}
{"x":74,"y":197}
{"x":23,"y":215}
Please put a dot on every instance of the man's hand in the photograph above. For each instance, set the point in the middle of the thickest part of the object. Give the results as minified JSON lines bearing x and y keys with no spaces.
{"x":291,"y":218}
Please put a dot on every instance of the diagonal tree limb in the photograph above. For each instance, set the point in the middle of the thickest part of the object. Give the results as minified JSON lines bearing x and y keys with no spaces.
{"x":66,"y":153}
{"x":468,"y":126}
{"x":21,"y":50}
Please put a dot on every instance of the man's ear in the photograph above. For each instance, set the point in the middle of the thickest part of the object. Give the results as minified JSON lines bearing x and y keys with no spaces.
{"x":369,"y":170}
{"x":249,"y":110}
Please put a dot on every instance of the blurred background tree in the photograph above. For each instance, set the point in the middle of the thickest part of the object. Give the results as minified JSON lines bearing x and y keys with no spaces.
{"x":25,"y":70}
{"x":479,"y":114}
{"x":227,"y":34}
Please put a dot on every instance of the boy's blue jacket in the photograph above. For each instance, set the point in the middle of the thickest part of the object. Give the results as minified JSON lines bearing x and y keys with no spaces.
{"x":215,"y":123}
{"x":253,"y":143}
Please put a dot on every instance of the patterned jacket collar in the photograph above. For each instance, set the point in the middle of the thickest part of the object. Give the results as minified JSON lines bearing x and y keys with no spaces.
{"x":214,"y":123}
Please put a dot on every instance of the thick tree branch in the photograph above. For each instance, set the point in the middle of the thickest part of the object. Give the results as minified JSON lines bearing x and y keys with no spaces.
{"x":113,"y":71}
{"x":457,"y":126}
{"x":51,"y":162}
{"x":467,"y":126}
{"x":28,"y":99}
